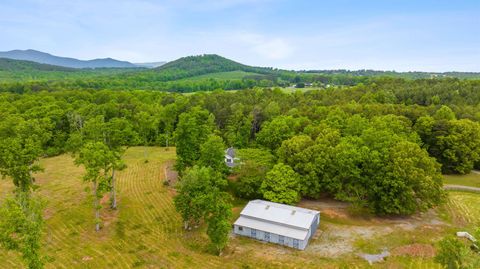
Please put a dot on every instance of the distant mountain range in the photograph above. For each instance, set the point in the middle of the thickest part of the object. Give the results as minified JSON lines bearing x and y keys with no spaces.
{"x":46,"y":58}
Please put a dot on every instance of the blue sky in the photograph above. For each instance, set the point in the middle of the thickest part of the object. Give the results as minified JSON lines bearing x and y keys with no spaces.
{"x":293,"y":34}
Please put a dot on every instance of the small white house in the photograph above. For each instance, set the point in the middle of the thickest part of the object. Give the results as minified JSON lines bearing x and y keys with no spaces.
{"x":230,"y":157}
{"x":277,"y":223}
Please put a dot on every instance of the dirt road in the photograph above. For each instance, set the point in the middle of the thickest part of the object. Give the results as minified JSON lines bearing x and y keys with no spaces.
{"x":461,"y":188}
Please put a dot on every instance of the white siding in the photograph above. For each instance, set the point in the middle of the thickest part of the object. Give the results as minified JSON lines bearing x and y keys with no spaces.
{"x":274,"y":238}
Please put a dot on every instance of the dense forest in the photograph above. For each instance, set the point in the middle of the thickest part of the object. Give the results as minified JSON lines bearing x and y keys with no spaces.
{"x":325,"y":136}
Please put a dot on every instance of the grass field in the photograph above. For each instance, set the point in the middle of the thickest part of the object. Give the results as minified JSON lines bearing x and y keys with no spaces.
{"x":472,"y":180}
{"x":146,"y":231}
{"x":464,"y":208}
{"x":292,"y":89}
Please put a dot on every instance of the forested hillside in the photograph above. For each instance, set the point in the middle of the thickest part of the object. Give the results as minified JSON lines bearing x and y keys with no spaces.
{"x":26,"y":66}
{"x":18,"y":72}
{"x":190,"y":74}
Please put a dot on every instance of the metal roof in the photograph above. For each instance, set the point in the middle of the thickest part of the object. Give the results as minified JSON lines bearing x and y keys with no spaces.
{"x":273,"y":228}
{"x":277,"y":215}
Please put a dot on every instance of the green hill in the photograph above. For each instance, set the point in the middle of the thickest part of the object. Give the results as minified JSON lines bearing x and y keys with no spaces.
{"x":26,"y":71}
{"x":22,"y":66}
{"x":205,"y":64}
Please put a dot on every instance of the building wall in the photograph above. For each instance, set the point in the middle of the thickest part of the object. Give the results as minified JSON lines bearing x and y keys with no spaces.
{"x":272,"y":238}
{"x":314,"y":226}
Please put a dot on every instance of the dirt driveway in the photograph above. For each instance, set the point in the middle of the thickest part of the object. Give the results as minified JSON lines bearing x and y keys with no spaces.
{"x":340,"y":230}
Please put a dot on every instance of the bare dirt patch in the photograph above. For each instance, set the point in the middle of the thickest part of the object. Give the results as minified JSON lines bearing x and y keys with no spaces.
{"x":415,"y":250}
{"x":171,"y":176}
{"x":339,"y":230}
{"x":334,"y":213}
{"x":333,"y":240}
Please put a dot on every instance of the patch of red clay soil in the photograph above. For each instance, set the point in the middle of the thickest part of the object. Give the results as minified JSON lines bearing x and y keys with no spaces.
{"x":236,"y":209}
{"x":415,"y":250}
{"x":333,"y":213}
{"x":105,"y":199}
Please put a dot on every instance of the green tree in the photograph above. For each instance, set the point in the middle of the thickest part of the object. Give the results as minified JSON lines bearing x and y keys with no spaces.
{"x":120,"y":134}
{"x":312,"y":160}
{"x":212,"y":153}
{"x":281,"y":185}
{"x":274,"y":132}
{"x":196,"y":194}
{"x":251,"y":171}
{"x":453,"y":254}
{"x":21,"y":225}
{"x":219,"y":224}
{"x":145,"y":124}
{"x":455,"y":144}
{"x":238,"y":127}
{"x":20,"y":151}
{"x":412,"y":182}
{"x":97,"y":159}
{"x":249,"y":180}
{"x":21,"y":219}
{"x":444,"y":113}
{"x":116,"y":134}
{"x":193,"y":129}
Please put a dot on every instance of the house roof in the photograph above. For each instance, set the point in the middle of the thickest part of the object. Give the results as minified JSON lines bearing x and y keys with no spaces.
{"x":275,"y":215}
{"x":230,"y":152}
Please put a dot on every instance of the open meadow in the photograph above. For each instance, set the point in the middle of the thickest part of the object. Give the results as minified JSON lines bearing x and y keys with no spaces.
{"x":471,"y":180}
{"x":147,"y":232}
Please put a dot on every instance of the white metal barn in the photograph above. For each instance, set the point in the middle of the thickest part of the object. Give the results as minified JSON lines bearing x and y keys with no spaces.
{"x":277,"y":223}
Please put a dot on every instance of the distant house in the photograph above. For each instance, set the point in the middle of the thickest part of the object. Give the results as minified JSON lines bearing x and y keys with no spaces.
{"x":277,"y":223}
{"x":230,"y":157}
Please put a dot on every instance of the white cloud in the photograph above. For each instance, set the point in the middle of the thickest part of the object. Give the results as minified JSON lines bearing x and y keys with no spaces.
{"x":273,"y":48}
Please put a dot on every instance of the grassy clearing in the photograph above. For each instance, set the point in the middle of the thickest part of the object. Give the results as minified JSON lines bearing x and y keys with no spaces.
{"x":472,"y":180}
{"x":293,"y":90}
{"x":464,"y":208}
{"x":146,"y":231}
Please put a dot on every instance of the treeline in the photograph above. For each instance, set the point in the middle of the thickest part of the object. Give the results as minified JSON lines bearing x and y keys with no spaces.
{"x":436,"y":119}
{"x":394,"y":74}
{"x":239,"y":116}
{"x":180,"y":86}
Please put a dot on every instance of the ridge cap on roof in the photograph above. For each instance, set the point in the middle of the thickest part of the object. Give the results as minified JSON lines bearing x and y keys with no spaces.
{"x":284,"y":206}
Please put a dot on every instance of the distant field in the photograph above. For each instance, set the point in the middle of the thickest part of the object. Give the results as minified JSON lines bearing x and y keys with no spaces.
{"x":292,"y":90}
{"x":224,"y":75}
{"x":146,"y":231}
{"x":472,"y":180}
